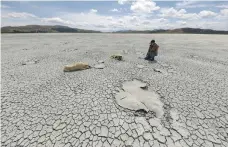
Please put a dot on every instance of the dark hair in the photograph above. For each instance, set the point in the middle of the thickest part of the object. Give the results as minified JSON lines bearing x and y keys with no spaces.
{"x":152,"y":41}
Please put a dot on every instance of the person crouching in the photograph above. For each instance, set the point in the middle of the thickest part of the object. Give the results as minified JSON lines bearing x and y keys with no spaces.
{"x":153,"y":51}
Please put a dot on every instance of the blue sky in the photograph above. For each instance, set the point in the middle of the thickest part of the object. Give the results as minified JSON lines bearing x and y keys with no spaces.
{"x":117,"y":15}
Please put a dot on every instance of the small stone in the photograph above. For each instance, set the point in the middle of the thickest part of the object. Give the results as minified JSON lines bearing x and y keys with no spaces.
{"x":99,"y":66}
{"x":100,"y":61}
{"x":140,"y":66}
{"x":157,"y":70}
{"x":125,"y":51}
{"x":117,"y":57}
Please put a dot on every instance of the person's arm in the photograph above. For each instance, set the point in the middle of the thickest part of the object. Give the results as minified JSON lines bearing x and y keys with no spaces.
{"x":155,"y":48}
{"x":150,"y":48}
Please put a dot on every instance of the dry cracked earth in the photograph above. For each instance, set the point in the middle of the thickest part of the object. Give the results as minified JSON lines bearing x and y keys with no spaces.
{"x":43,"y":106}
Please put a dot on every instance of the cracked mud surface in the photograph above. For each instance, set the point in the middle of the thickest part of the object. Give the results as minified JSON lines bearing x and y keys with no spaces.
{"x":43,"y":106}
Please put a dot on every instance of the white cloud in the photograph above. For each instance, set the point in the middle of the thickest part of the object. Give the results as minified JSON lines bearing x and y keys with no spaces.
{"x":144,"y":6}
{"x":182,"y":23}
{"x":224,"y":12}
{"x":109,"y":18}
{"x":93,"y":11}
{"x":133,"y":21}
{"x":19,"y":15}
{"x":181,"y":14}
{"x":57,"y":20}
{"x":205,"y":13}
{"x":115,"y":10}
{"x":4,"y":6}
{"x":121,"y":2}
{"x":222,"y":6}
{"x":185,"y":3}
{"x":171,"y":12}
{"x":190,"y":4}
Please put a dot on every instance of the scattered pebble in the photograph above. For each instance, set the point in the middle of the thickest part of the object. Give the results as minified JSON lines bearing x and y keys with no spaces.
{"x":140,"y":66}
{"x":157,"y":70}
{"x":30,"y":62}
{"x":117,"y":89}
{"x":125,"y":51}
{"x":165,"y":65}
{"x":70,"y":50}
{"x":100,"y":61}
{"x":117,"y":57}
{"x":99,"y":66}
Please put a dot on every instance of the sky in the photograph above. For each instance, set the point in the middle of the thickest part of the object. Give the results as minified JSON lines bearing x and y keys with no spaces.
{"x":117,"y":15}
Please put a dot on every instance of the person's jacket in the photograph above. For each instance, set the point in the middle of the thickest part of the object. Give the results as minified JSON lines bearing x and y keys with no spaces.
{"x":154,"y":48}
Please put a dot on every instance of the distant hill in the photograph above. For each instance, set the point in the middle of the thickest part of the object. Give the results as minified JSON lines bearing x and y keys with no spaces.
{"x":66,"y":29}
{"x":44,"y":29}
{"x":177,"y":31}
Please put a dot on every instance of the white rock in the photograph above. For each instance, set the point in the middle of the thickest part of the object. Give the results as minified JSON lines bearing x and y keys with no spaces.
{"x":158,"y":70}
{"x":140,"y":66}
{"x":99,"y":66}
{"x":125,"y":51}
{"x":100,"y":61}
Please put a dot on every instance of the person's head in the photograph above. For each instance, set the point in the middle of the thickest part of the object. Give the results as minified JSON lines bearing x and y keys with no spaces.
{"x":152,"y":41}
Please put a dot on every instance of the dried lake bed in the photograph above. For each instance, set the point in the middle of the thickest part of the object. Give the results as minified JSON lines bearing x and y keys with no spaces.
{"x":43,"y":106}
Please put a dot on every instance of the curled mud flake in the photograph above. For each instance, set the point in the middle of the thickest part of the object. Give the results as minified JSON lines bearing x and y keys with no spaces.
{"x":134,"y":97}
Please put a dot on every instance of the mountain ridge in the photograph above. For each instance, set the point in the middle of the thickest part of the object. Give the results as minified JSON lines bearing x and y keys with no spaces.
{"x":44,"y":29}
{"x":176,"y":31}
{"x":66,"y":29}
